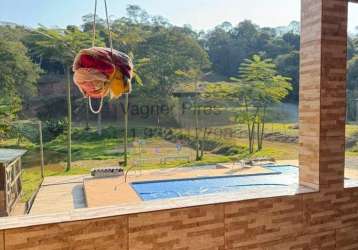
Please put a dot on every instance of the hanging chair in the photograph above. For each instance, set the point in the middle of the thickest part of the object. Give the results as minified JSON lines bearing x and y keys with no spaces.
{"x":99,"y":72}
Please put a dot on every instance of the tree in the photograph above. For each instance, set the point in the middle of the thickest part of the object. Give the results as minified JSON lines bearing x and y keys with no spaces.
{"x":137,"y":15}
{"x":168,"y":52}
{"x":61,"y":46}
{"x":223,"y":51}
{"x":351,"y":48}
{"x":9,"y":107}
{"x":288,"y":65}
{"x":18,"y":80}
{"x":352,"y":88}
{"x":195,"y":75}
{"x":127,"y":36}
{"x":293,"y":40}
{"x":229,"y":46}
{"x":259,"y":87}
{"x":19,"y":75}
{"x":162,"y":50}
{"x":87,"y":24}
{"x":353,"y":73}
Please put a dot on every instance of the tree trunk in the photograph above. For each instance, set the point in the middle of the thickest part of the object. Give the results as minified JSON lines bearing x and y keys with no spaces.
{"x":99,"y":123}
{"x":126,"y":130}
{"x":18,"y":141}
{"x":258,"y":135}
{"x":196,"y":127}
{"x":41,"y":151}
{"x":158,"y":120}
{"x":249,"y":134}
{"x":197,"y":144}
{"x":260,"y":129}
{"x":69,"y":120}
{"x":252,"y":138}
{"x":202,"y":146}
{"x":262,"y":136}
{"x":87,"y":115}
{"x":262,"y":132}
{"x":249,"y":127}
{"x":118,"y":111}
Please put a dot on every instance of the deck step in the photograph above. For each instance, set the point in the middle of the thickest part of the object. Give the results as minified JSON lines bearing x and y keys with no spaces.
{"x":107,"y":172}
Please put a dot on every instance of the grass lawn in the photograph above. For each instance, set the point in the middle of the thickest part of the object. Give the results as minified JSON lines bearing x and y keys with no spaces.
{"x":351,"y":129}
{"x":107,"y":153}
{"x":277,"y":150}
{"x":101,"y":153}
{"x":31,"y":177}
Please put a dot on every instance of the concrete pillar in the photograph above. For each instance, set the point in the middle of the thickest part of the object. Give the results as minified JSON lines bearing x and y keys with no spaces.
{"x":323,"y":92}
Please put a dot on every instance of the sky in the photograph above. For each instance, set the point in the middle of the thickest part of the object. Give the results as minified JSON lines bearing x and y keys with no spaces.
{"x":200,"y":14}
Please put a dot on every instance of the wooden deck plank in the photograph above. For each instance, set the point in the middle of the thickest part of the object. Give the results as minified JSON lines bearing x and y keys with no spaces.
{"x":59,"y":194}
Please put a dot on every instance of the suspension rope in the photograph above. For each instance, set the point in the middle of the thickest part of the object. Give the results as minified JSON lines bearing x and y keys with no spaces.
{"x":108,"y":27}
{"x":94,"y":24}
{"x":93,"y":44}
{"x":96,"y":112}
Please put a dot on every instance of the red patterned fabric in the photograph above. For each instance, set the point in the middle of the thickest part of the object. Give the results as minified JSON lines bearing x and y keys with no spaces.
{"x":97,"y":72}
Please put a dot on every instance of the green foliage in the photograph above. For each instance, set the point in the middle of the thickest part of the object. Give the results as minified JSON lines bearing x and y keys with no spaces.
{"x":228,"y":45}
{"x":89,"y":145}
{"x":9,"y":107}
{"x":137,"y":15}
{"x":109,"y":132}
{"x":353,"y":73}
{"x":352,"y":93}
{"x":169,"y":51}
{"x":59,"y":45}
{"x":24,"y":130}
{"x":258,"y":87}
{"x":52,"y":129}
{"x":18,"y":75}
{"x":352,"y":47}
{"x":260,"y":84}
{"x":288,"y":65}
{"x":18,"y":78}
{"x":229,"y":150}
{"x":52,"y":108}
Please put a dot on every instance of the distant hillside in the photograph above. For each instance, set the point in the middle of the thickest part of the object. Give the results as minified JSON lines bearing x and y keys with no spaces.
{"x":293,"y":27}
{"x":10,"y":24}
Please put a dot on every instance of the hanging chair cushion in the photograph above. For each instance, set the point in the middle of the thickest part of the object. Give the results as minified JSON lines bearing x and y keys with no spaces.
{"x":98,"y":72}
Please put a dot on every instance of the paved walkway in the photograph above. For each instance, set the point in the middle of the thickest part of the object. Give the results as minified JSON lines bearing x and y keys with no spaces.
{"x":59,"y":194}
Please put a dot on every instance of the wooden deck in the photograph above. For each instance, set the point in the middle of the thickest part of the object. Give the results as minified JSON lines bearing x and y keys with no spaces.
{"x":59,"y":194}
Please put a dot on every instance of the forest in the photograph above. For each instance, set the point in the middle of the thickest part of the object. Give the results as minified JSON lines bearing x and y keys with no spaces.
{"x":160,"y":50}
{"x":170,"y":62}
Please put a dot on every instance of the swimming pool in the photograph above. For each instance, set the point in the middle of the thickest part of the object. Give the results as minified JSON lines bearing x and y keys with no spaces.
{"x":281,"y":176}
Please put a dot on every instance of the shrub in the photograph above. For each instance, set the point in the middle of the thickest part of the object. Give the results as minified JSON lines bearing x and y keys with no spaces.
{"x":52,"y":129}
{"x":229,"y":150}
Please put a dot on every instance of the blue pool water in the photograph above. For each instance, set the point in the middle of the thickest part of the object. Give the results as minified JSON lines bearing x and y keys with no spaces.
{"x":281,"y":176}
